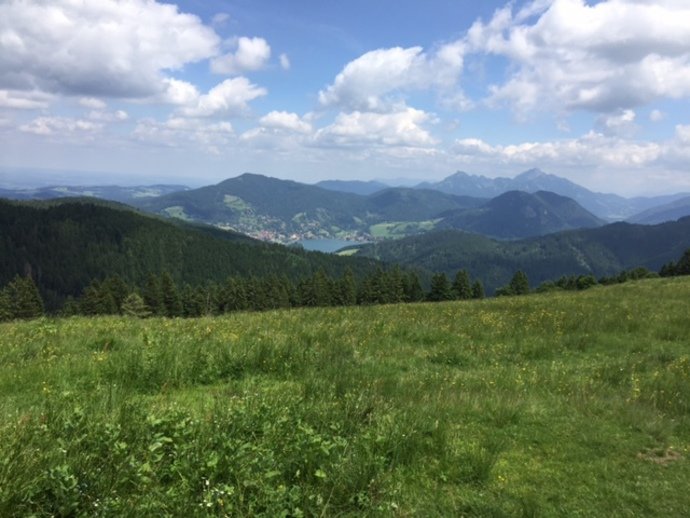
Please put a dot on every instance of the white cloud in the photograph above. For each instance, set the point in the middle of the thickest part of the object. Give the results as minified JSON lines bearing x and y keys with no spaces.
{"x":371,"y":82}
{"x":285,"y":121}
{"x":179,"y":131}
{"x":19,"y":100}
{"x":93,"y":49}
{"x":47,"y":126}
{"x":91,"y":102}
{"x":178,"y":92}
{"x":591,"y":150}
{"x":400,"y":128}
{"x":284,"y":62}
{"x":250,"y":54}
{"x":612,"y":55}
{"x":227,"y":98}
{"x":105,"y":116}
{"x":620,"y":123}
{"x":683,"y":134}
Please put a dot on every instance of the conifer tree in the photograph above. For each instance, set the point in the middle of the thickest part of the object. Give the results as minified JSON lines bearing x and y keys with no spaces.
{"x":170,"y":297}
{"x":347,"y":289}
{"x":440,"y":288}
{"x":519,"y":284}
{"x":394,"y":287}
{"x":5,"y":305}
{"x":134,"y":306}
{"x":25,"y":299}
{"x":152,"y":296}
{"x":477,"y":290}
{"x":461,"y":285}
{"x":413,"y":288}
{"x":683,"y":265}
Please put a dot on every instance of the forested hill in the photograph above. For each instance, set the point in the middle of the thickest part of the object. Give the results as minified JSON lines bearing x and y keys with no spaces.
{"x":66,"y":245}
{"x":601,"y":252}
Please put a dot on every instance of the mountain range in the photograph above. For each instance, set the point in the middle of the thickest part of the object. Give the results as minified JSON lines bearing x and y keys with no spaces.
{"x":607,"y":206}
{"x":531,"y":204}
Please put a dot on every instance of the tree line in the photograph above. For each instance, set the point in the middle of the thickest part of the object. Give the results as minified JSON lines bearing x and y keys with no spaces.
{"x":162,"y":296}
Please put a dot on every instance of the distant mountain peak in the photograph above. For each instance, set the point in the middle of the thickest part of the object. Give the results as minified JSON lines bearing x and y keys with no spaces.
{"x":532,"y":174}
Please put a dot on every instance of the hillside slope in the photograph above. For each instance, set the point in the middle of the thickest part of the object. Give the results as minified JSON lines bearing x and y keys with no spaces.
{"x":601,"y":251}
{"x":517,"y":214}
{"x":283,"y":210}
{"x":65,"y":245}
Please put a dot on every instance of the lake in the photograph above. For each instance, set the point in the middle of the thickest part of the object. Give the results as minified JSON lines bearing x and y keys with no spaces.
{"x":326,"y":245}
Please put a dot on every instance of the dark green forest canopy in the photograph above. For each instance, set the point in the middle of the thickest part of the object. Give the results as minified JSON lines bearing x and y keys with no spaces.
{"x":63,"y":246}
{"x":602,"y":251}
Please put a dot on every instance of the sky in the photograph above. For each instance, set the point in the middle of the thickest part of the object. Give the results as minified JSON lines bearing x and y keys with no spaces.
{"x":142,"y":91}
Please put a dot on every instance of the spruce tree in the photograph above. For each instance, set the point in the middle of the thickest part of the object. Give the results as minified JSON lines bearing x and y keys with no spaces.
{"x":5,"y":305}
{"x":477,"y":290}
{"x":170,"y":297}
{"x":440,"y":288}
{"x":152,"y":296}
{"x":25,"y":299}
{"x":519,"y":284}
{"x":461,"y":286}
{"x":683,"y":264}
{"x":413,"y":288}
{"x":347,"y":289}
{"x":134,"y":306}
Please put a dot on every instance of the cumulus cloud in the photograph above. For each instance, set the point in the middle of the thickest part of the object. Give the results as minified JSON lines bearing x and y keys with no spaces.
{"x":110,"y":48}
{"x":620,"y":123}
{"x":611,"y":55}
{"x":90,"y":102}
{"x":591,"y":150}
{"x":231,"y":97}
{"x":24,"y":100}
{"x":285,"y":121}
{"x":371,"y":82}
{"x":249,"y":54}
{"x":284,"y":62}
{"x":178,"y":92}
{"x":105,"y":116}
{"x":47,"y":126}
{"x":176,"y":131}
{"x":400,"y":128}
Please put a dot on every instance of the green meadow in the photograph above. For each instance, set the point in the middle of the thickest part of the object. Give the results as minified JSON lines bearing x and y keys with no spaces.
{"x":562,"y":404}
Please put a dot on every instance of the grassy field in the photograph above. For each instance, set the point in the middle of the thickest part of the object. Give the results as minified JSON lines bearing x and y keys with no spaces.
{"x":566,"y":404}
{"x":399,"y":229}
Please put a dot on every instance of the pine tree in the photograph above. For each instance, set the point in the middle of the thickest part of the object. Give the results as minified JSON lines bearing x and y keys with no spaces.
{"x":394,"y":287}
{"x":5,"y":305}
{"x":152,"y":296}
{"x":440,"y":288}
{"x":117,"y":289}
{"x":25,"y":299}
{"x":134,"y":306}
{"x":477,"y":290}
{"x":170,"y":297}
{"x":683,"y":264}
{"x":519,"y":284}
{"x":323,"y":289}
{"x":347,"y":289}
{"x":413,"y":288}
{"x":461,"y":286}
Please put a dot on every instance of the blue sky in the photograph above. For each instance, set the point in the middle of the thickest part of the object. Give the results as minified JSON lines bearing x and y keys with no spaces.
{"x":140,"y":91}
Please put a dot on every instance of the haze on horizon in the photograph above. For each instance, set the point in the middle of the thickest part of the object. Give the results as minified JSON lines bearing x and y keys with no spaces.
{"x":594,"y":91}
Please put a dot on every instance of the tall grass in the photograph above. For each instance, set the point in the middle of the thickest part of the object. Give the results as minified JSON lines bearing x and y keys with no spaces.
{"x":558,"y":404}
